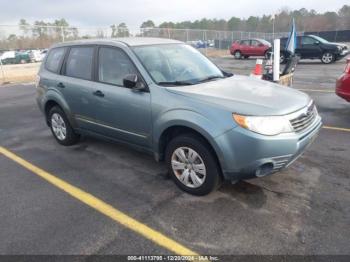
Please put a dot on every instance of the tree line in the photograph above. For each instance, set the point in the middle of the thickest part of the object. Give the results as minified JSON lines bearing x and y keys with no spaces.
{"x":41,"y":34}
{"x":306,"y":20}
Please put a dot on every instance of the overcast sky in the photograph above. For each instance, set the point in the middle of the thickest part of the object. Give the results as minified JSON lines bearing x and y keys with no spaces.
{"x":134,"y":12}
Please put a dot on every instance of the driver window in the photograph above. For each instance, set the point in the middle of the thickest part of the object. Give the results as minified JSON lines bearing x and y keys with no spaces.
{"x":254,"y":43}
{"x":307,"y":41}
{"x":245,"y":42}
{"x":113,"y":66}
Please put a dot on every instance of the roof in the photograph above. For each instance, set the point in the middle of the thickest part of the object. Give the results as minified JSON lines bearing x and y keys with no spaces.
{"x":129,"y":41}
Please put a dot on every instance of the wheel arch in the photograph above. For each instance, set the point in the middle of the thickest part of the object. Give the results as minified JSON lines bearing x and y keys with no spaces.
{"x":175,"y":130}
{"x":54,"y":99}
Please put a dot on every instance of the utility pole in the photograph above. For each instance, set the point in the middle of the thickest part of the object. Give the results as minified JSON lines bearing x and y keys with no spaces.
{"x":2,"y":72}
{"x":62,"y":33}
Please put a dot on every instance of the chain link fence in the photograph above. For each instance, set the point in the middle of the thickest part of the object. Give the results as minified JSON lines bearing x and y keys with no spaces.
{"x":14,"y":37}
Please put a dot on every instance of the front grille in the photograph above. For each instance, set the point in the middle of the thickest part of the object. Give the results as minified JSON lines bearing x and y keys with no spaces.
{"x":305,"y":119}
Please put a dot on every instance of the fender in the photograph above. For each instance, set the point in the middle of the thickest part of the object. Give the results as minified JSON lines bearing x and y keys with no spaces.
{"x":190,"y":119}
{"x":53,"y":95}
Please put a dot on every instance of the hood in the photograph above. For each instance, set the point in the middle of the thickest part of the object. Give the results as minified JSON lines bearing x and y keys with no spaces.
{"x":246,"y":95}
{"x":343,"y":46}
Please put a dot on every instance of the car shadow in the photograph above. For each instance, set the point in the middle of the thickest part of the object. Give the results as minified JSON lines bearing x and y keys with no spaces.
{"x":251,"y":195}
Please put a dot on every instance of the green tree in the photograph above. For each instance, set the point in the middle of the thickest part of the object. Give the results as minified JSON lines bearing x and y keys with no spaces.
{"x":122,"y":30}
{"x":148,"y":24}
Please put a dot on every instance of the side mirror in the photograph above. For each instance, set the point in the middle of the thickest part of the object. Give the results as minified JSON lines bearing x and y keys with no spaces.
{"x":132,"y":81}
{"x":261,"y":45}
{"x":317,"y":43}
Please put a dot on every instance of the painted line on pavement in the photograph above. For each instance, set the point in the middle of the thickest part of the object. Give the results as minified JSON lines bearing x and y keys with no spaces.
{"x":102,"y":207}
{"x":337,"y":128}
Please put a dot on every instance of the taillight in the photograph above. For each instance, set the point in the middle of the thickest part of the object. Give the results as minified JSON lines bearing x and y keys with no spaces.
{"x":347,"y":67}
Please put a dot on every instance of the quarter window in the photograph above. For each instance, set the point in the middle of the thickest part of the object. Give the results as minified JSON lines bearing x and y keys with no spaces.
{"x":79,"y":62}
{"x":114,"y":65}
{"x":54,"y":59}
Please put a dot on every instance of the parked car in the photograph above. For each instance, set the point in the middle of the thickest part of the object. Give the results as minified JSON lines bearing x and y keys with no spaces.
{"x":343,"y":83}
{"x":36,"y":55}
{"x":315,"y":47}
{"x":13,"y":57}
{"x":250,"y":47}
{"x":164,"y":97}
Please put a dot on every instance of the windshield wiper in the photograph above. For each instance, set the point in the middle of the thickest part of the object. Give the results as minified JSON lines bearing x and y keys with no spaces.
{"x":209,"y":78}
{"x":175,"y":83}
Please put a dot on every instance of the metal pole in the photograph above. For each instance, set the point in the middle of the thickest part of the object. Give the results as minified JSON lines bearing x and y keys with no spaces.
{"x":62,"y":33}
{"x":276,"y":60}
{"x":2,"y":72}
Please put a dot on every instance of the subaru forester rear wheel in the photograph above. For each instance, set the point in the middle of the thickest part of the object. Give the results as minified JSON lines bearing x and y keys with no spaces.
{"x":192,"y":165}
{"x":61,"y":128}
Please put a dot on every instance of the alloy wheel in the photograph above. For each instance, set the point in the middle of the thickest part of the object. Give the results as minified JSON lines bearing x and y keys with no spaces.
{"x":327,"y":58}
{"x":188,"y":166}
{"x":58,"y":126}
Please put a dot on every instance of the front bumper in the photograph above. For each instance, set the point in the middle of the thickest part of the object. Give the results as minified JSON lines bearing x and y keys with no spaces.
{"x":342,"y":54}
{"x":246,"y":154}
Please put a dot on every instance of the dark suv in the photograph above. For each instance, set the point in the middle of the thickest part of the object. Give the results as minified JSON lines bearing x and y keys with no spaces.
{"x":315,"y":47}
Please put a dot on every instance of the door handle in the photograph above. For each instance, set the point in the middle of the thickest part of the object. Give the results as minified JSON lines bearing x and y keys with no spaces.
{"x":61,"y":85}
{"x":99,"y":93}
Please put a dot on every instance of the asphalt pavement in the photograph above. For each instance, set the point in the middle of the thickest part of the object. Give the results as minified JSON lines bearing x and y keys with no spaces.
{"x":305,"y":209}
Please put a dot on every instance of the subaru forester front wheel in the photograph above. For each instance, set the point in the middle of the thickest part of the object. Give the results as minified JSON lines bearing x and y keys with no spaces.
{"x":192,"y":165}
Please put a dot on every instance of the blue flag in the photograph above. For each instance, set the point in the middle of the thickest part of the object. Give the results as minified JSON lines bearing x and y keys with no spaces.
{"x":292,"y":39}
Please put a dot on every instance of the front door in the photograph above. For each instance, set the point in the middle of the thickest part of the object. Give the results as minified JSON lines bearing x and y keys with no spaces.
{"x":121,"y":113}
{"x":310,"y":47}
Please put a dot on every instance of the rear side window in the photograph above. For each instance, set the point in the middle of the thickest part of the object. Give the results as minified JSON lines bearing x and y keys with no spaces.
{"x":79,"y":62}
{"x":54,"y":59}
{"x":113,"y":66}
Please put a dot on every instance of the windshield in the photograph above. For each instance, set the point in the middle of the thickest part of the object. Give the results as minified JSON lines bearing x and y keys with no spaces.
{"x":265,"y":42}
{"x":320,"y":39}
{"x":177,"y":64}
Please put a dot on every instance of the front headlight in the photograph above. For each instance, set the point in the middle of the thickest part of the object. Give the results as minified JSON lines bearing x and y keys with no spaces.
{"x":339,"y":48}
{"x":265,"y":125}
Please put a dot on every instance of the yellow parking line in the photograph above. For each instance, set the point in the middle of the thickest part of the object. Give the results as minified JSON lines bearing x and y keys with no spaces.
{"x":103,"y":207}
{"x":337,"y":128}
{"x":317,"y":90}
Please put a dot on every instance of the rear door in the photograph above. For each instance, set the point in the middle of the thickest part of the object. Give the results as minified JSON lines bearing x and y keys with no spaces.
{"x":75,"y":83}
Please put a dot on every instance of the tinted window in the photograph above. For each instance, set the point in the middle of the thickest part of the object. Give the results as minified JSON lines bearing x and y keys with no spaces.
{"x":54,"y":59}
{"x":79,"y":62}
{"x":307,"y":41}
{"x":114,"y":65}
{"x":245,"y":42}
{"x":255,"y":43}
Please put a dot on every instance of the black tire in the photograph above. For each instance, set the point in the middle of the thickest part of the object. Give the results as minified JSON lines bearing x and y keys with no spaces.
{"x":212,"y":179}
{"x":246,"y":56}
{"x":283,"y":58}
{"x":71,"y":137}
{"x":237,"y":55}
{"x":327,"y":58}
{"x":267,"y":54}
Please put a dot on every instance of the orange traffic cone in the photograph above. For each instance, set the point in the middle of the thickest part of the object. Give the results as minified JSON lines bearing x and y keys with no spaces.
{"x":258,"y":70}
